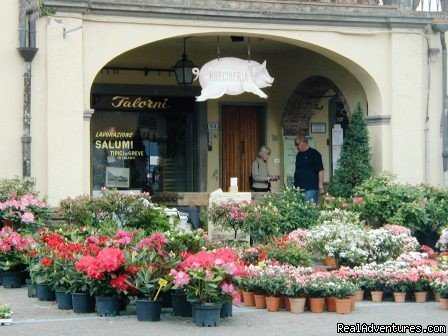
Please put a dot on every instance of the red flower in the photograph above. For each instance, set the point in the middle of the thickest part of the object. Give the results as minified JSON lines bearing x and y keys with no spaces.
{"x":90,"y":266}
{"x":132,"y":269}
{"x":119,"y":282}
{"x":110,"y":259}
{"x":91,"y":250}
{"x":46,"y":262}
{"x":53,"y":240}
{"x":185,"y":254}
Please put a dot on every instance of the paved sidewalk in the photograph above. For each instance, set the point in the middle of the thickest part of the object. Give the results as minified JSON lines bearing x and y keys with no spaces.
{"x":36,"y":318}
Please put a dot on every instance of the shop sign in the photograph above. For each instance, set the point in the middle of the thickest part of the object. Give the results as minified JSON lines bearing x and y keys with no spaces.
{"x":232,"y":76}
{"x":135,"y":103}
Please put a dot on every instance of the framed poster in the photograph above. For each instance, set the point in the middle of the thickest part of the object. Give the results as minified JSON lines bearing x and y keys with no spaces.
{"x":117,"y":177}
{"x":318,"y":127}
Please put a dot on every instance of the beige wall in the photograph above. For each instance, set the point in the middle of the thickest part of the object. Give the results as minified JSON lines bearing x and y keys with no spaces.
{"x":11,"y":93}
{"x":386,"y":68}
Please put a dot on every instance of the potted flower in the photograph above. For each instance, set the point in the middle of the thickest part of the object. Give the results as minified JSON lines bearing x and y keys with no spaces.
{"x":374,"y":280}
{"x":440,"y":286}
{"x":229,"y":215}
{"x":399,"y":283}
{"x":249,"y":285}
{"x":273,"y":282}
{"x":207,"y":278}
{"x":296,"y":283}
{"x":252,"y":256}
{"x":153,"y":266}
{"x":107,"y":278}
{"x":420,"y":280}
{"x":5,"y":314}
{"x":13,"y":250}
{"x":341,"y":290}
{"x":24,"y":212}
{"x":317,"y":289}
{"x":334,"y":234}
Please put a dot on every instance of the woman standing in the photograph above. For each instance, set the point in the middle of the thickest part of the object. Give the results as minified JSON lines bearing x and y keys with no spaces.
{"x":261,"y":179}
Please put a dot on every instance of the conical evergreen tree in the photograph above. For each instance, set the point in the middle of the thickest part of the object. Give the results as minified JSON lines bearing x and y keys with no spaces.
{"x":354,"y":163}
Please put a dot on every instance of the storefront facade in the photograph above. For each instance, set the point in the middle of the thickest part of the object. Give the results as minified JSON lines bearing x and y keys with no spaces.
{"x":106,"y":109}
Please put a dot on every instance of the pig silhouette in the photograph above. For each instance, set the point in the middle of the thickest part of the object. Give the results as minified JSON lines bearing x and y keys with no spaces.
{"x":232,"y":76}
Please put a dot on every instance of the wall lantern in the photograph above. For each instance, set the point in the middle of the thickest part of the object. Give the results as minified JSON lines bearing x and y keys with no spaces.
{"x":183,"y":69}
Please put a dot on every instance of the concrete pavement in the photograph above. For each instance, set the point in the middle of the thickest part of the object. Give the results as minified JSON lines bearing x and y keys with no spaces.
{"x":35,"y":318}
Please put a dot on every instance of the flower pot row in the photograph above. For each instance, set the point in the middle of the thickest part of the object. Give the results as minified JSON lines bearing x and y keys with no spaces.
{"x":206,"y":315}
{"x":297,"y":305}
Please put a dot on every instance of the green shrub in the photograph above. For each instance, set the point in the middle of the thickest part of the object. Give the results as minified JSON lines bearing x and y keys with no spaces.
{"x":289,"y":254}
{"x":421,"y":208}
{"x":17,"y":187}
{"x":354,"y":163}
{"x":127,"y":210}
{"x":295,"y":212}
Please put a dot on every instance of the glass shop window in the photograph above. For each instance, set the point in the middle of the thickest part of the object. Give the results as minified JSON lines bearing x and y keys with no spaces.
{"x":142,"y":150}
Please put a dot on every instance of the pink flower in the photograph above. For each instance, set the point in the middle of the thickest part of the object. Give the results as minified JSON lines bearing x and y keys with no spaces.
{"x":27,"y":217}
{"x":93,"y":240}
{"x":156,"y":240}
{"x":180,"y":278}
{"x":123,"y":237}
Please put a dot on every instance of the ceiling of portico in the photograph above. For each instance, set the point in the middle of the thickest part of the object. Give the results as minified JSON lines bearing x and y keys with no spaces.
{"x":201,"y":49}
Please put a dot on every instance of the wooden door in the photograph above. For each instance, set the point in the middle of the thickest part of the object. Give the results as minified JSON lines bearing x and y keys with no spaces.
{"x":242,"y":134}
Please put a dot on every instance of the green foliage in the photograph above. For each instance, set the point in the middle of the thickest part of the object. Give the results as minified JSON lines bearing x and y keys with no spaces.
{"x":179,"y":241}
{"x":295,"y":212}
{"x":263,"y":222}
{"x":5,"y":311}
{"x":354,"y":163}
{"x":280,"y":213}
{"x":421,"y":208}
{"x":16,"y":187}
{"x":272,"y":284}
{"x":152,"y":275}
{"x":289,"y":254}
{"x":135,"y":211}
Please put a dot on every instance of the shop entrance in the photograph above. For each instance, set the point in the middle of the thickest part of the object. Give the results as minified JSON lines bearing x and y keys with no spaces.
{"x":242,"y":136}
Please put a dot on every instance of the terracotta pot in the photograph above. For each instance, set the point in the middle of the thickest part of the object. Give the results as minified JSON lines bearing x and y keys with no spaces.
{"x":260,"y":301}
{"x":377,"y":296}
{"x":437,"y":297}
{"x":284,"y":303}
{"x":317,"y":305}
{"x":420,"y":297}
{"x":249,"y":299}
{"x":273,"y":303}
{"x":359,"y":295}
{"x":399,"y":297}
{"x":330,"y":262}
{"x":443,"y":303}
{"x":330,"y":303}
{"x":352,"y":302}
{"x":297,"y":305}
{"x":343,"y":305}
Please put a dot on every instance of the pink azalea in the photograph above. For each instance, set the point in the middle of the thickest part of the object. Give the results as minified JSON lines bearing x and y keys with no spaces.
{"x":27,"y":217}
{"x":93,"y":240}
{"x":123,"y":237}
{"x":180,"y":278}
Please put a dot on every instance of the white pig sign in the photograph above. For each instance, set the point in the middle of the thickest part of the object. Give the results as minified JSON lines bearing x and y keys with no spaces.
{"x":232,"y":76}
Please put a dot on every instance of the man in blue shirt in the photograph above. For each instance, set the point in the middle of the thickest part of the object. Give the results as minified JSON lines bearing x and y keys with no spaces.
{"x":309,"y":173}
